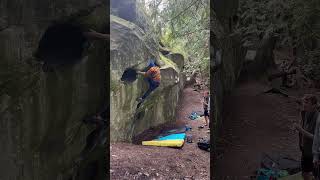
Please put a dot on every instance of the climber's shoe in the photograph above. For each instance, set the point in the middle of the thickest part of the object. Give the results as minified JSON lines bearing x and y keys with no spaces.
{"x":139,"y":102}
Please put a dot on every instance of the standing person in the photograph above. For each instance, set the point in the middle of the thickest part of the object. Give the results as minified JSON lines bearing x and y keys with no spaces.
{"x":205,"y":102}
{"x":316,"y":147}
{"x":306,"y":129}
{"x":153,"y":77}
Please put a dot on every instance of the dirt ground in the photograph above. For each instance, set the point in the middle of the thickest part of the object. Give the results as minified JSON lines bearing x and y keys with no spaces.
{"x":134,"y":161}
{"x":256,"y":123}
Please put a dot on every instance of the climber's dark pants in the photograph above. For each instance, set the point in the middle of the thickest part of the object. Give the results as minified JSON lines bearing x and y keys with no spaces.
{"x":152,"y":86}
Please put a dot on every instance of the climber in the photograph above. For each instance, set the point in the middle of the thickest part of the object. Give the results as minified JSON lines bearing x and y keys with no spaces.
{"x":308,"y":136}
{"x":97,"y":136}
{"x":206,"y":106}
{"x":153,"y":77}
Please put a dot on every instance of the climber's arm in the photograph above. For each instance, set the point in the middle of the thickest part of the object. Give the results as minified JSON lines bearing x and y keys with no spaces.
{"x":302,"y":131}
{"x":91,"y":34}
{"x":142,"y":73}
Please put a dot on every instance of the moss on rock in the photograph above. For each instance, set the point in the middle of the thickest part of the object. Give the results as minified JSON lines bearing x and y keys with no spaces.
{"x":168,"y":63}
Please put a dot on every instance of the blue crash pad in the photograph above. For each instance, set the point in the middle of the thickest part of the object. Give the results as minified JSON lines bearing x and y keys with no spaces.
{"x":175,"y":131}
{"x":173,"y":137}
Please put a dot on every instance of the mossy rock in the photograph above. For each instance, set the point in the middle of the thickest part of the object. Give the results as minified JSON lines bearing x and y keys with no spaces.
{"x":123,"y":22}
{"x":114,"y":86}
{"x":169,"y":63}
{"x":177,"y":58}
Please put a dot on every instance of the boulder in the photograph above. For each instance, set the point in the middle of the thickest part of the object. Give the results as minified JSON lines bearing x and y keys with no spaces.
{"x":131,"y":49}
{"x":259,"y":60}
{"x":176,"y":58}
{"x":41,"y":134}
{"x":226,"y":56}
{"x":126,"y":10}
{"x":164,"y":50}
{"x":225,"y":11}
{"x":190,"y":81}
{"x":131,"y":11}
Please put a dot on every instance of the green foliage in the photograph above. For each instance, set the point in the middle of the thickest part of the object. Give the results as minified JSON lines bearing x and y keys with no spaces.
{"x":311,"y":65}
{"x":183,"y":26}
{"x":289,"y":20}
{"x":114,"y":86}
{"x":294,"y":22}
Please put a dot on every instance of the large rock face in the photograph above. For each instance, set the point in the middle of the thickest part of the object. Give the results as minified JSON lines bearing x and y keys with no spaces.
{"x":41,"y":131}
{"x":131,"y":47}
{"x":225,"y":10}
{"x":263,"y":59}
{"x":227,"y":57}
{"x":177,"y":58}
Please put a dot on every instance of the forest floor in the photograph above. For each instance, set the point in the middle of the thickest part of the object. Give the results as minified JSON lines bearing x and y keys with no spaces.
{"x":133,"y":161}
{"x":256,"y":123}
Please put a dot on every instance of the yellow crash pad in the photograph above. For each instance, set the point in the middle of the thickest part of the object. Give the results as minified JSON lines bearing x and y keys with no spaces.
{"x":167,"y":143}
{"x":297,"y":176}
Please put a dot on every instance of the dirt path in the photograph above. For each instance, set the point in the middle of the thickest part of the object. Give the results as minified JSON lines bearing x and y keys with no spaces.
{"x":129,"y":161}
{"x":255,"y":123}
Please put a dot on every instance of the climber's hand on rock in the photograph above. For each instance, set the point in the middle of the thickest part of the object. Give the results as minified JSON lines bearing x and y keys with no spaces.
{"x":106,"y":36}
{"x":293,"y":127}
{"x":92,"y":34}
